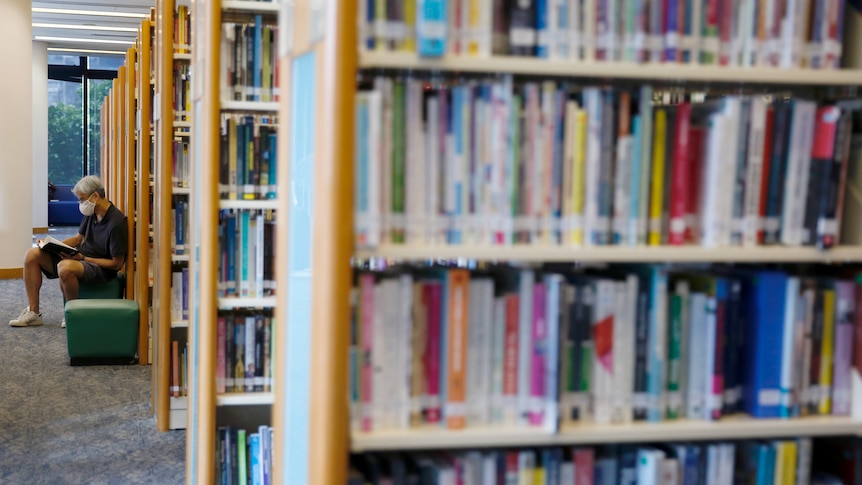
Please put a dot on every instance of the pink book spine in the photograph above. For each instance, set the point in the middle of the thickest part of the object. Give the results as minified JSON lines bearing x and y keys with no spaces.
{"x":583,"y":458}
{"x":432,"y":352}
{"x":220,"y":355}
{"x":725,"y":32}
{"x":843,"y":348}
{"x":681,"y":179}
{"x":537,"y":367}
{"x":366,"y":290}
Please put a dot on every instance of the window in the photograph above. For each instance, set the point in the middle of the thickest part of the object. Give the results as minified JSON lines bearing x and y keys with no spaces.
{"x":73,"y":131}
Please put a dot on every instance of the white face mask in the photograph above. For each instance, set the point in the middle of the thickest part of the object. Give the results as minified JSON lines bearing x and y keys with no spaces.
{"x":87,"y":207}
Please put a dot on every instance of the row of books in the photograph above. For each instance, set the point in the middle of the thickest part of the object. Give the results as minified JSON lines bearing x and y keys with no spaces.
{"x":539,"y":348}
{"x":246,"y":244}
{"x":499,"y":162}
{"x":180,"y":216}
{"x":179,"y":294}
{"x":244,"y":353}
{"x":249,"y":61}
{"x":774,"y":33}
{"x":181,"y":163}
{"x":243,"y":456}
{"x":179,"y":369}
{"x":248,"y":148}
{"x":182,"y":95}
{"x":800,"y":461}
{"x":182,"y":30}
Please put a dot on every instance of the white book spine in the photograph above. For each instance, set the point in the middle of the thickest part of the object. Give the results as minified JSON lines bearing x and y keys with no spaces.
{"x":375,"y":167}
{"x":733,"y":111}
{"x":788,"y":343}
{"x":588,"y":29}
{"x":696,"y":31}
{"x":799,"y":164}
{"x":378,"y":357}
{"x":593,"y":101}
{"x":575,"y":29}
{"x":404,"y":323}
{"x":622,"y":183}
{"x":414,"y":166}
{"x":603,"y":365}
{"x":754,"y":171}
{"x":498,"y":338}
{"x":474,"y":353}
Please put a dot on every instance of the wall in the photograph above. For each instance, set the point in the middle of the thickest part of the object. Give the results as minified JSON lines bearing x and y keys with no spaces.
{"x":40,"y":134}
{"x":16,"y":134}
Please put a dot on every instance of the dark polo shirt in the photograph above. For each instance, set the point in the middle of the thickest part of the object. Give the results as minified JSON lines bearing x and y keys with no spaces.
{"x":105,"y":239}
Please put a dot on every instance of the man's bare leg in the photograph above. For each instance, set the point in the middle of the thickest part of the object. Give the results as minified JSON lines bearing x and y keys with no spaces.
{"x":34,"y":261}
{"x":70,"y":271}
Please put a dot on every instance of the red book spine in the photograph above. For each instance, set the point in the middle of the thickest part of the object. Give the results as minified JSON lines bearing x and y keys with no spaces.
{"x":764,"y":180}
{"x":510,"y":352}
{"x":720,"y":349}
{"x":432,"y":352}
{"x":680,"y":177}
{"x":583,"y":458}
{"x":696,"y":135}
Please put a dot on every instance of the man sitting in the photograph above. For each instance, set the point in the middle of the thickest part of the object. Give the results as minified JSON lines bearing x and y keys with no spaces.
{"x":102,"y":242}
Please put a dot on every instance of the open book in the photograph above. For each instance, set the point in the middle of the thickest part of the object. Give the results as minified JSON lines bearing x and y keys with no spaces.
{"x":55,"y":246}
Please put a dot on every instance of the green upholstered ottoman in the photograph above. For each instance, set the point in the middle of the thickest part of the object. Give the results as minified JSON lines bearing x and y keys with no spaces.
{"x":102,"y":331}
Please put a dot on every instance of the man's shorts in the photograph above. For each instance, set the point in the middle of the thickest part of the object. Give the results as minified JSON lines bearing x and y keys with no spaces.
{"x":92,"y":272}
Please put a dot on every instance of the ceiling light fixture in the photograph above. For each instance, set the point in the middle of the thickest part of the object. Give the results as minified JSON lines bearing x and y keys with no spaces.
{"x":85,"y":27}
{"x":74,"y":39}
{"x":99,"y":13}
{"x":88,"y":51}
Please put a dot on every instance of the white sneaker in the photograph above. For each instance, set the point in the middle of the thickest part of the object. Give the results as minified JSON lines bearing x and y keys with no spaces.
{"x":27,"y":319}
{"x":63,"y":323}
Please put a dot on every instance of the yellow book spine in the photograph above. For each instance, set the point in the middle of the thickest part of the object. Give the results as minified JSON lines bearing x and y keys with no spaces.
{"x":580,"y":161}
{"x":778,"y":478}
{"x":474,"y":15}
{"x":568,"y":165}
{"x":539,"y":476}
{"x":789,"y":474}
{"x":827,"y":351}
{"x":410,"y":25}
{"x":657,"y":190}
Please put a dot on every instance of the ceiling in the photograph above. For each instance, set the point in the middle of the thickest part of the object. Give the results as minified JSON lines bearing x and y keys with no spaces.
{"x":80,"y":32}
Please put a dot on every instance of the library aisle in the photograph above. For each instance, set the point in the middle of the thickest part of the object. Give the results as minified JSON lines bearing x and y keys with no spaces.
{"x":63,"y":424}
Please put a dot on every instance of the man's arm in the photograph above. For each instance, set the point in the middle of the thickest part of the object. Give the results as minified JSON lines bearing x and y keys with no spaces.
{"x":114,"y":264}
{"x":75,"y":240}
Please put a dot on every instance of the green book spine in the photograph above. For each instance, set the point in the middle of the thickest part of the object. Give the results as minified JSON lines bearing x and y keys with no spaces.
{"x":242,"y":461}
{"x":674,"y":401}
{"x":398,"y":160}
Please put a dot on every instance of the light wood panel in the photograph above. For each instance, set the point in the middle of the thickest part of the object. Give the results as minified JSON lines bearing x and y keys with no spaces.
{"x":128,"y":175}
{"x":142,"y":163}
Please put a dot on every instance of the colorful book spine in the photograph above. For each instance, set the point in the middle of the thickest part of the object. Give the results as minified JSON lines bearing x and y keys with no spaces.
{"x":658,"y":172}
{"x":680,"y":176}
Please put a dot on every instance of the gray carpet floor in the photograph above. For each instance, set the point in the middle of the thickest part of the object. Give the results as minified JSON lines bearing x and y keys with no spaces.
{"x":74,"y":425}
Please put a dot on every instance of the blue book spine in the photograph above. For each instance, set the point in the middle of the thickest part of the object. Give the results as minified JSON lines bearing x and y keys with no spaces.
{"x":762,"y":390}
{"x":179,"y":220}
{"x":457,"y":189}
{"x":552,"y":354}
{"x":635,"y":183}
{"x":231,"y":254}
{"x":559,"y":43}
{"x":691,"y":471}
{"x":244,"y":259}
{"x":273,"y":165}
{"x":559,"y":143}
{"x":361,"y":169}
{"x":543,"y":34}
{"x":185,"y":294}
{"x":671,"y":31}
{"x":687,"y":30}
{"x":256,"y":470}
{"x":431,"y":27}
{"x":258,"y":54}
{"x":657,"y":331}
{"x":369,"y":24}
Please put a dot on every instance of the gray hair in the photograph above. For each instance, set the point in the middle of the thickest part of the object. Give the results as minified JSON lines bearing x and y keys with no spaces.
{"x":88,"y":185}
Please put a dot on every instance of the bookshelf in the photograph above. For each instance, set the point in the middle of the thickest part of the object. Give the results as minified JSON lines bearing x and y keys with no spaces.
{"x":233,"y":126}
{"x":143,"y":192}
{"x":327,"y":59}
{"x":172,"y":123}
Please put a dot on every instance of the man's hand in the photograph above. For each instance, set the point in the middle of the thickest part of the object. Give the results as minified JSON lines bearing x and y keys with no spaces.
{"x":76,"y":256}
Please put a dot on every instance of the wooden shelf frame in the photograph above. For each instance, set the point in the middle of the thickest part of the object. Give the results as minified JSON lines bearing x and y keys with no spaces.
{"x":142,"y":203}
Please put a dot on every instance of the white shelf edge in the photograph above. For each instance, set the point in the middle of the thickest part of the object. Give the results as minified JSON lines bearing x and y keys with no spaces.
{"x":741,"y":427}
{"x":250,"y":6}
{"x":229,"y":303}
{"x":265,"y":106}
{"x":181,"y":190}
{"x":182,"y":124}
{"x":182,"y":133}
{"x":179,"y":257}
{"x":611,"y":254}
{"x":245,"y":399}
{"x":179,"y":324}
{"x":271,"y":204}
{"x":618,"y":70}
{"x":182,"y":56}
